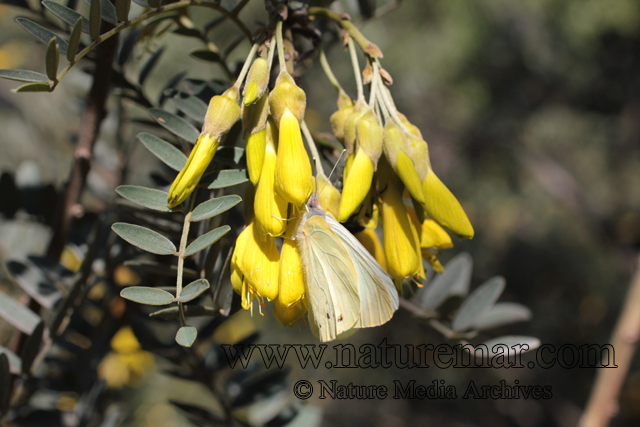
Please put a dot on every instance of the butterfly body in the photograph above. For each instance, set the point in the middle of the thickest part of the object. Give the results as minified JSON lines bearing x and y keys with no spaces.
{"x":345,"y":287}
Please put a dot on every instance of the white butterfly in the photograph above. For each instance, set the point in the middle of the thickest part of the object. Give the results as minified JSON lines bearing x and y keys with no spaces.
{"x":345,"y":286}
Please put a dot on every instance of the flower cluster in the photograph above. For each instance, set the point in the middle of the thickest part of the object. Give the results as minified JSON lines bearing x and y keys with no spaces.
{"x":387,"y":179}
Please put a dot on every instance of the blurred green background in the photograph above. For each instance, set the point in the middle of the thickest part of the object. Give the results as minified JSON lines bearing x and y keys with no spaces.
{"x":532,"y":114}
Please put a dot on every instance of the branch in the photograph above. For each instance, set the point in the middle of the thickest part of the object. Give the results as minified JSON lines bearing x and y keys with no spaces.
{"x":602,"y":404}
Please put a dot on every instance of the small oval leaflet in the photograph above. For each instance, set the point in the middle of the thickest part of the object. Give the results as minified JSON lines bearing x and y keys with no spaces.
{"x":147,"y":197}
{"x":107,"y":10}
{"x":176,"y":125}
{"x":189,"y":311}
{"x":42,"y":33}
{"x":480,"y":300}
{"x":74,"y":39}
{"x":192,"y":106}
{"x":226,"y":178}
{"x":213,"y":207}
{"x":456,"y":277}
{"x":206,"y":240}
{"x":164,"y":151}
{"x":146,"y":295}
{"x":193,"y":290}
{"x":205,"y":55}
{"x":186,"y":336}
{"x":68,"y":15}
{"x":503,"y":313}
{"x":144,"y":238}
{"x":23,"y":76}
{"x":33,"y":87}
{"x":511,"y":341}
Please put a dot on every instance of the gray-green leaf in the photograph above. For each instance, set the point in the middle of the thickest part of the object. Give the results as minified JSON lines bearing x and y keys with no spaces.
{"x":189,"y":311}
{"x":225,"y":178}
{"x":503,"y":313}
{"x":41,"y":33}
{"x":145,"y":295}
{"x":193,"y":290}
{"x":192,"y":106}
{"x":95,"y":18}
{"x":33,"y":87}
{"x":23,"y":76}
{"x":108,"y":11}
{"x":31,"y":348}
{"x":206,"y":240}
{"x":147,"y":197}
{"x":144,"y":238}
{"x":164,"y":151}
{"x":74,"y":39}
{"x":511,"y":341}
{"x":480,"y":300}
{"x":213,"y":207}
{"x":122,"y":9}
{"x":52,"y":59}
{"x":68,"y":15}
{"x":17,"y":314}
{"x":175,"y":125}
{"x":456,"y":278}
{"x":205,"y":55}
{"x":186,"y":336}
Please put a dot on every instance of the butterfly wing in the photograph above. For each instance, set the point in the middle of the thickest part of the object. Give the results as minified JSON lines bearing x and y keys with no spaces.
{"x":378,"y":295}
{"x":330,"y":279}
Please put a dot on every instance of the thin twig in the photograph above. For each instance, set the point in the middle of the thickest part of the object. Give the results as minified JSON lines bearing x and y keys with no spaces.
{"x":603,"y":402}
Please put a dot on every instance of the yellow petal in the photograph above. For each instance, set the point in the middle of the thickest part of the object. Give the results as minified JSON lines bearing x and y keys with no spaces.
{"x":294,"y":181}
{"x":270,"y":209}
{"x":251,"y":93}
{"x":259,"y":263}
{"x":444,"y":208}
{"x":190,"y":175}
{"x":328,"y":195}
{"x":124,"y":341}
{"x":433,"y":236}
{"x":291,"y":287}
{"x":356,"y":185}
{"x":288,"y":315}
{"x":255,"y":146}
{"x":369,"y":239}
{"x":406,"y":170}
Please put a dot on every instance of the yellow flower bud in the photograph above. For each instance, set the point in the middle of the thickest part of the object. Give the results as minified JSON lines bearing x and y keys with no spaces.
{"x":339,"y":118}
{"x":356,"y":186}
{"x":254,"y":116}
{"x":190,"y":175}
{"x":413,"y":129}
{"x":268,"y":206}
{"x":258,"y":263}
{"x":288,"y":316}
{"x":398,"y":152}
{"x":258,"y":78}
{"x":223,"y":112}
{"x":255,"y":146}
{"x":420,"y":154}
{"x":291,"y":288}
{"x":294,"y":181}
{"x":369,"y":239}
{"x":287,"y":96}
{"x":350,"y":127}
{"x":328,"y":195}
{"x":444,"y":208}
{"x":369,"y":136}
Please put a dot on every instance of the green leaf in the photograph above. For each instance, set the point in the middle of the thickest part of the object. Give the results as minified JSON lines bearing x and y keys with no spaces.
{"x":193,"y":290}
{"x":15,"y":364}
{"x":144,"y":238}
{"x":145,"y":295}
{"x":231,"y":156}
{"x":21,"y":317}
{"x":33,"y":87}
{"x":192,"y":106}
{"x":52,"y":59}
{"x":153,"y":60}
{"x":161,"y":269}
{"x":480,"y":300}
{"x":225,"y":178}
{"x":95,"y":18}
{"x":206,"y":240}
{"x":175,"y":125}
{"x":68,"y":15}
{"x":31,"y":348}
{"x":186,"y":336}
{"x":23,"y":76}
{"x":41,"y":33}
{"x":188,"y":32}
{"x":503,"y":313}
{"x":147,"y":197}
{"x":74,"y":39}
{"x":108,"y":11}
{"x":213,"y":207}
{"x":5,"y":384}
{"x":189,"y":311}
{"x":457,"y":275}
{"x":122,"y":10}
{"x":206,"y":55}
{"x":510,"y":341}
{"x":164,"y":151}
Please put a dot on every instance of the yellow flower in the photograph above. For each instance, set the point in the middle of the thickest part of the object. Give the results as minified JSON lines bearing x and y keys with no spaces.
{"x":270,"y":209}
{"x":255,"y":264}
{"x":255,"y":145}
{"x":294,"y":180}
{"x":222,"y":113}
{"x":339,"y":118}
{"x":398,"y":152}
{"x":328,"y":195}
{"x":288,"y":315}
{"x":291,"y":288}
{"x":258,"y":78}
{"x":369,"y":239}
{"x":254,"y":122}
{"x":127,"y":364}
{"x":433,"y":236}
{"x":444,"y":208}
{"x":356,"y":186}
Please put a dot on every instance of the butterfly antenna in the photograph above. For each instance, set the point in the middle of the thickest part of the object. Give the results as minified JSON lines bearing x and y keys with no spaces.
{"x":332,"y":170}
